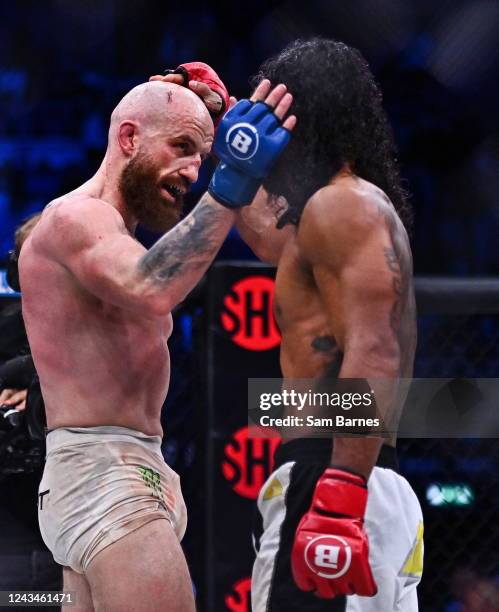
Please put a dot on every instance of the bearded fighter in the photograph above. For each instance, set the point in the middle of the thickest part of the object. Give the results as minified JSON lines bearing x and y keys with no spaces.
{"x":97,"y":309}
{"x":335,"y":518}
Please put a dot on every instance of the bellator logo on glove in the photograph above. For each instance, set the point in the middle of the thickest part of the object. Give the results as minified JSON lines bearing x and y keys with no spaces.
{"x":328,"y":556}
{"x":330,"y":553}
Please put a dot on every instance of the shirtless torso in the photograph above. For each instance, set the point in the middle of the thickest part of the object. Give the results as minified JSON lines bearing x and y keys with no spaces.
{"x":311,"y":309}
{"x":96,"y":303}
{"x":344,"y":298}
{"x":98,"y":363}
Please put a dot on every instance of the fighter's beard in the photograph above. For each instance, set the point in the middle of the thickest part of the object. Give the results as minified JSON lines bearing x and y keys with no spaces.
{"x":142,"y":194}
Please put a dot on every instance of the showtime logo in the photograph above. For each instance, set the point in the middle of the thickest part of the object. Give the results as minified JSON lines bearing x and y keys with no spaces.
{"x":247,"y":314}
{"x":239,"y":597}
{"x":248,"y":462}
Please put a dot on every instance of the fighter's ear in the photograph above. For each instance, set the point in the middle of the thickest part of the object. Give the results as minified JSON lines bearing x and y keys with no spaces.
{"x":128,"y":137}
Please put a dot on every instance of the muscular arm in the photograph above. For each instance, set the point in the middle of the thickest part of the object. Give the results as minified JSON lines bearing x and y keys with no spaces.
{"x":349,"y":247}
{"x":176,"y":263}
{"x":256,"y":225}
{"x":90,"y":239}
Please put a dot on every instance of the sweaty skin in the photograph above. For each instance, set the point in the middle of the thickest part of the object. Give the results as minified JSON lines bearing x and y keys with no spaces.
{"x":96,"y":303}
{"x":344,"y":298}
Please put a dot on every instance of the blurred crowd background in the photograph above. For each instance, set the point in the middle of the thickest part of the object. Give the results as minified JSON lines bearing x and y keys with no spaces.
{"x":64,"y":64}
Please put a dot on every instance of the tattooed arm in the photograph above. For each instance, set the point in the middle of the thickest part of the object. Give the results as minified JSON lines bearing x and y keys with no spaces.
{"x":349,"y":245}
{"x":176,"y":263}
{"x":90,"y":240}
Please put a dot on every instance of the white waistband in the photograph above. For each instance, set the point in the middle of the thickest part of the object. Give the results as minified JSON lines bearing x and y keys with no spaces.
{"x":70,"y":436}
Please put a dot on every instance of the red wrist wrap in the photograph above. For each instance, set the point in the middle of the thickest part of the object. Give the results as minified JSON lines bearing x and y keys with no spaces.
{"x":346,"y":492}
{"x":199,"y":71}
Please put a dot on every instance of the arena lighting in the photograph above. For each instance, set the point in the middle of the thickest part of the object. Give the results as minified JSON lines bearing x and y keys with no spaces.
{"x":449,"y":494}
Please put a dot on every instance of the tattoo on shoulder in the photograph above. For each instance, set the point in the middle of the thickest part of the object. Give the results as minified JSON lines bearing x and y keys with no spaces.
{"x":399,"y":262}
{"x":190,"y":245}
{"x":399,"y":284}
{"x":391,"y":259}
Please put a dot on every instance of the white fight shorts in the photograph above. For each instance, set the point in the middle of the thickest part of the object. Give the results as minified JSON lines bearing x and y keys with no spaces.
{"x":100,"y":484}
{"x":393,"y":522}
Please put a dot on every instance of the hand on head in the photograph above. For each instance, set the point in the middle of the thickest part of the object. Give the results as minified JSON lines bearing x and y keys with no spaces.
{"x":248,"y":142}
{"x":203,"y":81}
{"x":212,"y":99}
{"x":278,"y":98}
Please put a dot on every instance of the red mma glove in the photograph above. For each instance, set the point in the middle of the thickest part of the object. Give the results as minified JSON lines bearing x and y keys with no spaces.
{"x":330,"y":551}
{"x":218,"y":102}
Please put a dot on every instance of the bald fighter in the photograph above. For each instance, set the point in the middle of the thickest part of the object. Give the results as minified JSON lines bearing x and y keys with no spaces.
{"x":335,"y":518}
{"x":97,"y":308}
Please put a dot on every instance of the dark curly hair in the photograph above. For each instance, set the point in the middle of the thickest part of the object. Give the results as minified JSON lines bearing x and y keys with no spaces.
{"x":340,"y":119}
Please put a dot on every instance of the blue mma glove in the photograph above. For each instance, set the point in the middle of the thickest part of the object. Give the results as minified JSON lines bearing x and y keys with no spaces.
{"x":248,"y":142}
